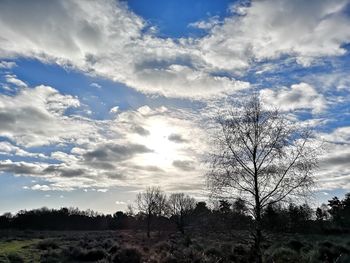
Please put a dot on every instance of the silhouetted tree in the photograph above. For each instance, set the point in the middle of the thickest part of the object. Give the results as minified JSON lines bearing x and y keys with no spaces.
{"x":201,"y":214}
{"x":151,"y":202}
{"x":262,"y":156}
{"x":346,"y":210}
{"x":224,"y":207}
{"x":335,"y":210}
{"x":239,"y":206}
{"x":180,"y":206}
{"x":298,"y":217}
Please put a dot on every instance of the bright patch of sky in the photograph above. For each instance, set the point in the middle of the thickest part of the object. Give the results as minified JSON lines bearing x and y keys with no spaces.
{"x":99,"y":99}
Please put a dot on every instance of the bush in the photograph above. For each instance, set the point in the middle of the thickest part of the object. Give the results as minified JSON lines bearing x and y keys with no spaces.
{"x":169,"y":259}
{"x":47,"y":244}
{"x":214,"y":252}
{"x":51,"y":257}
{"x":87,"y":255}
{"x":163,"y":246}
{"x":114,"y":249}
{"x":127,"y":255}
{"x":329,"y":252}
{"x":284,"y":255}
{"x":15,"y":258}
{"x":295,"y":245}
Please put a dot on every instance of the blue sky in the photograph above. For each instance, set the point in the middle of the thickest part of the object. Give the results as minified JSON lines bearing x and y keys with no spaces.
{"x":101,"y":99}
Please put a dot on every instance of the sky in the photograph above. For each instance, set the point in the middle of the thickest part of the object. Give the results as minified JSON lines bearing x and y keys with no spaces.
{"x":100,"y":99}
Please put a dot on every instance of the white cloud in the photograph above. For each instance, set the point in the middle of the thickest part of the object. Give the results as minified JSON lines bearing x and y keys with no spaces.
{"x":6,"y":148}
{"x":306,"y":30}
{"x":334,"y":169}
{"x":139,"y":147}
{"x":206,"y":24}
{"x":7,"y":64}
{"x":298,"y":96}
{"x":12,"y":79}
{"x":96,"y":85}
{"x":114,"y":109}
{"x":107,"y":39}
{"x":41,"y":187}
{"x":104,"y":154}
{"x":35,"y":116}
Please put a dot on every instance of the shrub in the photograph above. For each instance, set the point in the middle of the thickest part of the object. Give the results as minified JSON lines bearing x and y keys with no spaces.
{"x":163,"y":246}
{"x":47,"y":244}
{"x":284,"y":255}
{"x":295,"y":245}
{"x":108,"y":243}
{"x":114,"y":249}
{"x":87,"y":255}
{"x":15,"y":258}
{"x":169,"y":259}
{"x":51,"y":257}
{"x":127,"y":255}
{"x":213,"y":252}
{"x":329,"y":252}
{"x":95,"y":254}
{"x":187,"y":241}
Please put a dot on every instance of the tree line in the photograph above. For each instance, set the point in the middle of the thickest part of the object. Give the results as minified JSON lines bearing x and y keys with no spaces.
{"x":181,"y":212}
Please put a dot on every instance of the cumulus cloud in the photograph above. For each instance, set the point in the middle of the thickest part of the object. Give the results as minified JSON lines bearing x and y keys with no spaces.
{"x":6,"y":148}
{"x":177,"y":138}
{"x":305,"y":30}
{"x":114,"y":109}
{"x":114,"y":152}
{"x":334,"y":170}
{"x":298,"y":96}
{"x":83,"y":153}
{"x":206,"y":24}
{"x":95,"y":85}
{"x":35,"y":116}
{"x":122,"y":46}
{"x":150,"y":144}
{"x":107,"y":39}
{"x":184,"y":165}
{"x":7,"y":64}
{"x":12,"y":79}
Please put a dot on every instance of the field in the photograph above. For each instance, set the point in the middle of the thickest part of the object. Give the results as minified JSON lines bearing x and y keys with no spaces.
{"x":134,"y":246}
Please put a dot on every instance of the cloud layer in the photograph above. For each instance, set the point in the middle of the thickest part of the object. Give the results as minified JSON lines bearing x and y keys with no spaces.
{"x":134,"y":148}
{"x":107,"y":39}
{"x":46,"y":138}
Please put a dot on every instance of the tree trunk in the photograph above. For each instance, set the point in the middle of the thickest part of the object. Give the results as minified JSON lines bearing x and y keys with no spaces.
{"x":182,"y":230}
{"x":148,"y":226}
{"x":258,"y":236}
{"x":258,"y":233}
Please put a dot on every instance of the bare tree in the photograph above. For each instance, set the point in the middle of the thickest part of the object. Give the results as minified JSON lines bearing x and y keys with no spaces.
{"x":179,"y":207}
{"x":262,"y":157}
{"x":151,"y":202}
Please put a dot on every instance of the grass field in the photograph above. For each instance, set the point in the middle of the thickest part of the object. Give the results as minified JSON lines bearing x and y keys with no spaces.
{"x":133,"y":246}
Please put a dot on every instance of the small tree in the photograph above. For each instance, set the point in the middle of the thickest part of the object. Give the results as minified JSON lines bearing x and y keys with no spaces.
{"x":224,"y":206}
{"x":180,"y":205}
{"x":239,"y":206}
{"x":151,"y":202}
{"x":260,"y":156}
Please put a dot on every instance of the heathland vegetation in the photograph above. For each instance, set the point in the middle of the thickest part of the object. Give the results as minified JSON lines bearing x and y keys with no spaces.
{"x":219,"y":232}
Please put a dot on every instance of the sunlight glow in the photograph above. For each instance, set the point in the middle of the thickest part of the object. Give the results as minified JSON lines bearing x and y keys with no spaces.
{"x":164,"y":150}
